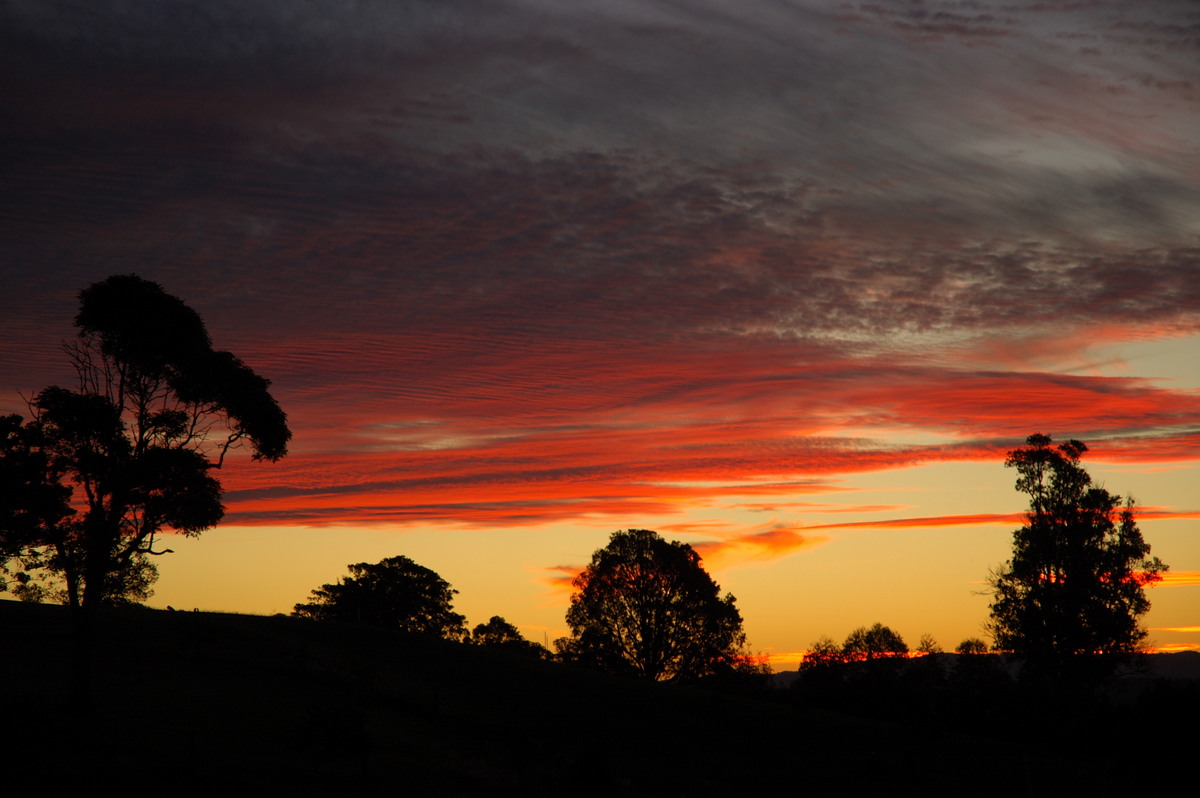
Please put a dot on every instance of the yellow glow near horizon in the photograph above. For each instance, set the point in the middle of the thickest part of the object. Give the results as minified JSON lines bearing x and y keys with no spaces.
{"x":916,"y":580}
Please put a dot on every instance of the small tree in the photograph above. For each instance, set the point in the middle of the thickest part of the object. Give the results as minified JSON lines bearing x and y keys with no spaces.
{"x":395,"y":593}
{"x":647,"y":607}
{"x":875,"y":643}
{"x":499,"y":633}
{"x":821,"y":670}
{"x":1075,"y":583}
{"x":972,"y":646}
{"x":823,"y":651}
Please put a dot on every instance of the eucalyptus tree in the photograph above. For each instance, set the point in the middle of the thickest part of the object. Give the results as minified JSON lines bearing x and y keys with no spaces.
{"x":1075,"y":585}
{"x":132,"y":449}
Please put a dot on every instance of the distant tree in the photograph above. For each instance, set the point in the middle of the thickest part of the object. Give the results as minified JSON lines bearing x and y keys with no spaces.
{"x":928,"y":645}
{"x":155,"y":413}
{"x":1075,"y":583}
{"x":875,"y":643}
{"x":395,"y":593}
{"x":647,"y":607}
{"x":821,"y":672}
{"x":823,"y":652}
{"x":499,"y":633}
{"x":972,"y":646}
{"x":980,"y":681}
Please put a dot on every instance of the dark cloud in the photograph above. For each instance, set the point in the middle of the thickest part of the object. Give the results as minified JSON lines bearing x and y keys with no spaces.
{"x":709,"y":234}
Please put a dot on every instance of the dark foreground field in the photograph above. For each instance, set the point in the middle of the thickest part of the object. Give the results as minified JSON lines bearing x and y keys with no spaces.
{"x":200,"y":703}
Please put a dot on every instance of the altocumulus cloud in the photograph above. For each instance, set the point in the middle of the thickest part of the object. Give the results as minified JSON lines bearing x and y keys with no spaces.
{"x":535,"y":261}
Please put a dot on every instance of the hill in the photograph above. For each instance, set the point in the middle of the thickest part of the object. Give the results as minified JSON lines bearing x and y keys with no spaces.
{"x":189,"y":703}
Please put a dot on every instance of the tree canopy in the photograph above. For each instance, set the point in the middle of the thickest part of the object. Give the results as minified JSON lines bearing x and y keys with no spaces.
{"x":499,"y":633}
{"x":971,"y":646}
{"x":861,"y":645}
{"x":155,"y":412}
{"x":395,"y":593}
{"x":875,"y":643}
{"x":647,"y":607}
{"x":1076,"y":582}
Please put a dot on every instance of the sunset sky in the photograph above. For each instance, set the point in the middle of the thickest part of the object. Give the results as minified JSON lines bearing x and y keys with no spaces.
{"x":782,"y":279}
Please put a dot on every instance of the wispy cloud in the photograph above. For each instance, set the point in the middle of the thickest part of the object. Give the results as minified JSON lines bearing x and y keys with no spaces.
{"x":974,"y":519}
{"x":734,"y":546}
{"x":1179,"y":579}
{"x":534,"y":262}
{"x":767,"y":545}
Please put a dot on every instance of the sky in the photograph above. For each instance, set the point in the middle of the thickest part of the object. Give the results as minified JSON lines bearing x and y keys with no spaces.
{"x":781,"y":279}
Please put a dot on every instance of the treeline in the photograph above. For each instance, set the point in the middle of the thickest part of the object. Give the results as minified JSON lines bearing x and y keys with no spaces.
{"x":400,"y":595}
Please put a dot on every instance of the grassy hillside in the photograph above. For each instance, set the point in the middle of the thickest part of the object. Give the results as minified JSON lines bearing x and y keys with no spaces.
{"x":195,"y":702}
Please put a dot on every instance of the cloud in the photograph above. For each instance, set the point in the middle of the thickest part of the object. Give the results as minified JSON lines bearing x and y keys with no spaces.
{"x":1186,"y":629}
{"x":734,"y":546}
{"x":974,"y":519}
{"x":560,"y":581}
{"x":532,"y":262}
{"x":1179,"y":579}
{"x":511,"y":446}
{"x":767,"y":545}
{"x":1005,"y":519}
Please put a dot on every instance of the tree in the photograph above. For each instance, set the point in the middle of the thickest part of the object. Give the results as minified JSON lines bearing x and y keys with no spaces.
{"x":1075,"y":583}
{"x":878,"y":642}
{"x":32,"y":499}
{"x":156,"y":412}
{"x":395,"y":593}
{"x":820,"y":669}
{"x":823,"y":651}
{"x":499,"y":633}
{"x":971,"y":647}
{"x":868,"y":673}
{"x":646,"y":606}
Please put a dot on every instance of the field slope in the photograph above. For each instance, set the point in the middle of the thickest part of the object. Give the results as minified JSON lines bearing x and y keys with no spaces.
{"x":187,"y":703}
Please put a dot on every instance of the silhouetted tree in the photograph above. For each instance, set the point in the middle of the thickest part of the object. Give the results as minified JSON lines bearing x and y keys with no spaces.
{"x":928,"y":645}
{"x":971,"y":646}
{"x":395,"y":593}
{"x":155,"y":412}
{"x":1075,"y":583}
{"x":877,"y":642}
{"x":864,"y":675}
{"x":980,"y":684}
{"x":33,"y":499}
{"x":499,"y":633}
{"x":822,"y":652}
{"x":646,"y":606}
{"x":821,"y":670}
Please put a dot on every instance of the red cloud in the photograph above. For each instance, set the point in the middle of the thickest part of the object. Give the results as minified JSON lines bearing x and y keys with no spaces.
{"x":769,"y":544}
{"x":976,"y":519}
{"x":937,"y":520}
{"x":736,"y":548}
{"x":1179,"y":579}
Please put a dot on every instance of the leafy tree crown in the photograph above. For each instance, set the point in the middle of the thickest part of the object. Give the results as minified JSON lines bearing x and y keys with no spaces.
{"x":1076,"y":582}
{"x":646,"y":606}
{"x":395,"y":593}
{"x":154,"y":415}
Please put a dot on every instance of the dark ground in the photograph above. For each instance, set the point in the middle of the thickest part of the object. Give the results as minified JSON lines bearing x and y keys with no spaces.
{"x":195,"y":703}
